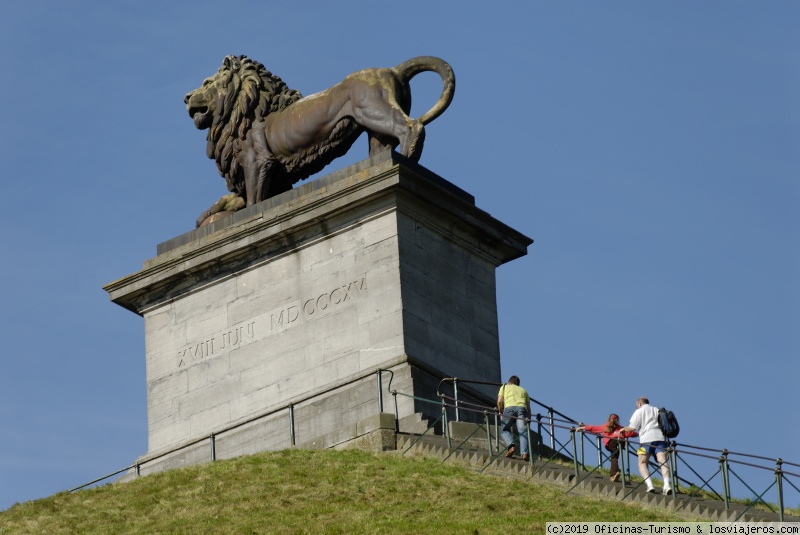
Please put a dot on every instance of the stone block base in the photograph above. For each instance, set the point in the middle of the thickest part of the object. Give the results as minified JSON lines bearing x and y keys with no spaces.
{"x":269,"y":328}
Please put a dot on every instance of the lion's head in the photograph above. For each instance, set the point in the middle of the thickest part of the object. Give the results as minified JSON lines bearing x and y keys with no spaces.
{"x":241,"y":92}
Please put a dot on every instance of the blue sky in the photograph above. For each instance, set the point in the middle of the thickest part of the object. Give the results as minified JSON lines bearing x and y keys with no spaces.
{"x":651,"y":150}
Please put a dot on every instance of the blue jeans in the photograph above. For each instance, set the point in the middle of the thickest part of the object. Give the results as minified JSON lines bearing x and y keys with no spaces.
{"x":515,"y":417}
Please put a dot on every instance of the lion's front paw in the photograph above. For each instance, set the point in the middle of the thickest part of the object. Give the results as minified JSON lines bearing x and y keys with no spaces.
{"x":223,"y":207}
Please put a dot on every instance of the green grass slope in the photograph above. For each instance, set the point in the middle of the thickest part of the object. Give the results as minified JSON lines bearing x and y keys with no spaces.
{"x":298,"y":491}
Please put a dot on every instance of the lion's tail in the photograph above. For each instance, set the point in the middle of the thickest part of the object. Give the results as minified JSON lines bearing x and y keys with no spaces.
{"x":408,"y":69}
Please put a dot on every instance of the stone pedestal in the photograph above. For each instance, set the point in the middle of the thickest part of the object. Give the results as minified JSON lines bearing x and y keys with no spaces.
{"x":269,"y":328}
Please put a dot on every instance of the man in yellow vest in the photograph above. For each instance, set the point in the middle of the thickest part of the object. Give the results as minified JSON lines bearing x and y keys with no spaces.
{"x":515,"y":405}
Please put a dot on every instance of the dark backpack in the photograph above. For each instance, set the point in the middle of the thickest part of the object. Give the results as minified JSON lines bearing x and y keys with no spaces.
{"x":668,"y":423}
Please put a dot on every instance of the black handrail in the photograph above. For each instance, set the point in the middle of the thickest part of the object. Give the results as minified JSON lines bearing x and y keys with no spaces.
{"x":722,"y":455}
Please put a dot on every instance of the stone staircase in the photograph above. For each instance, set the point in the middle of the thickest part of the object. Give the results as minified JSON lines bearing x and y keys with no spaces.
{"x":597,"y":485}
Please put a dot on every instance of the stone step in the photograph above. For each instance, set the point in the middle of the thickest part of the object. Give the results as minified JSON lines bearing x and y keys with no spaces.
{"x":594,"y":484}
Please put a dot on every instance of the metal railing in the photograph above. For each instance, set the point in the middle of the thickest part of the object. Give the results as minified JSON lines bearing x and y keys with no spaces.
{"x":562,"y":445}
{"x":560,"y":431}
{"x":211,"y":438}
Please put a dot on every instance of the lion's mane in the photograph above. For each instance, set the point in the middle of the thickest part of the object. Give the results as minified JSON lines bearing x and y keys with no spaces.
{"x":251,"y":93}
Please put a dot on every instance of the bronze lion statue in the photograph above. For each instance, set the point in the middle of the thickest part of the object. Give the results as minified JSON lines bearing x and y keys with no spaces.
{"x":265,"y":136}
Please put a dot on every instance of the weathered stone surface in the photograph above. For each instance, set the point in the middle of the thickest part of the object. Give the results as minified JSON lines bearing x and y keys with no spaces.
{"x":301,"y":299}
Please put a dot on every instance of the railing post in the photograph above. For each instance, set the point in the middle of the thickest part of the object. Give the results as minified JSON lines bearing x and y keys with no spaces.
{"x":496,"y":431}
{"x":599,"y":443}
{"x":445,"y":426}
{"x":628,"y":454}
{"x":488,"y":431}
{"x":455,"y":395}
{"x":779,"y":482}
{"x":672,"y":466}
{"x":213,"y":447}
{"x":138,"y":470}
{"x":530,"y":444}
{"x":574,"y":452}
{"x":622,"y":447}
{"x":539,"y":431}
{"x":396,"y":412}
{"x":552,"y":429}
{"x":291,"y":422}
{"x":726,"y":482}
{"x":675,"y":463}
{"x":380,"y":392}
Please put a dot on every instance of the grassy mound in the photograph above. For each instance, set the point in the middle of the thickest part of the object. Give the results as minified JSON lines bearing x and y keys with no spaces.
{"x":298,"y":491}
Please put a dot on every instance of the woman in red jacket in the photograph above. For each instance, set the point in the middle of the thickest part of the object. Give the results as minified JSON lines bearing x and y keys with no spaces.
{"x":611,"y":435}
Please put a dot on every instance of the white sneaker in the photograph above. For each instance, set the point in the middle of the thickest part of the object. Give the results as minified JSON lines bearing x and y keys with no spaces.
{"x":667,"y":491}
{"x":651,"y":490}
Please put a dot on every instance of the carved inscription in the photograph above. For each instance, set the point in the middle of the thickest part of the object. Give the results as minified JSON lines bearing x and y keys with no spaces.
{"x":224,"y":341}
{"x":293,"y":313}
{"x":321,"y":304}
{"x":284,"y":317}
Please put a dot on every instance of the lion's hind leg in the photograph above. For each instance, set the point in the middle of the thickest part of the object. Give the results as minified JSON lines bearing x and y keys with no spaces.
{"x":379,"y":143}
{"x":395,"y":128}
{"x":377,"y":109}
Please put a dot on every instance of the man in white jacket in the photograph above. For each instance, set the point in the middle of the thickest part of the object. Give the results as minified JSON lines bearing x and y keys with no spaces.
{"x":651,"y":440}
